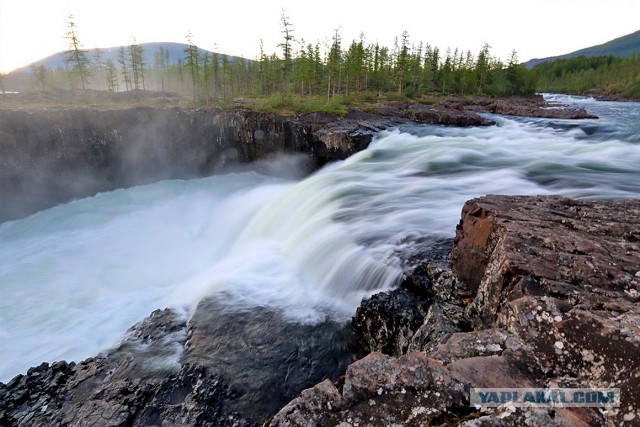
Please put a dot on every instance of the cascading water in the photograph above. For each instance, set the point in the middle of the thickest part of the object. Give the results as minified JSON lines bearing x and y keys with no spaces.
{"x":73,"y":278}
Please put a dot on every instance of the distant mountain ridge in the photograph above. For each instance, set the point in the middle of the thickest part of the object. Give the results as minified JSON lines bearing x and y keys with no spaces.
{"x":622,"y":46}
{"x":176,"y":51}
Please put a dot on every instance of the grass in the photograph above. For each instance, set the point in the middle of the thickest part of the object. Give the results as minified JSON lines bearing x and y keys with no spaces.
{"x":302,"y":105}
{"x":283,"y":105}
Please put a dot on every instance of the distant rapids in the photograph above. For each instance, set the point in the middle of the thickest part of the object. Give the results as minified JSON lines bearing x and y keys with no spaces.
{"x":74,"y":277}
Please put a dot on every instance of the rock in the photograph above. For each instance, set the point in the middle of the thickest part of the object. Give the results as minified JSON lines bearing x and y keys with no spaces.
{"x":558,"y":274}
{"x":221,"y":368}
{"x":388,"y":321}
{"x":583,"y":252}
{"x":377,"y":390}
{"x":413,"y":390}
{"x":603,"y":95}
{"x":487,"y":342}
{"x":138,"y":383}
{"x":528,"y":107}
{"x":52,"y":156}
{"x":264,"y":358}
{"x":551,"y":281}
{"x":426,"y":309}
{"x":454,"y":115}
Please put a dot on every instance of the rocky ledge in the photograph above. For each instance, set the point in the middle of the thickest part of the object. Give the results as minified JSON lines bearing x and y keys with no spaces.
{"x":534,"y":106}
{"x":50,"y":156}
{"x":545,"y":294}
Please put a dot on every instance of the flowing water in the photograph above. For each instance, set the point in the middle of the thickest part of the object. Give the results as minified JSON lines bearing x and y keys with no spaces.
{"x":74,"y":277}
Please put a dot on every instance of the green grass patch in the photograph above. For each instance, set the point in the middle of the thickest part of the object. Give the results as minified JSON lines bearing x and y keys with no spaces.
{"x":303,"y":105}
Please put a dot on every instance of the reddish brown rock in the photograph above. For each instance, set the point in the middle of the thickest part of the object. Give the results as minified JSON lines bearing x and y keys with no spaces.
{"x":585,"y":252}
{"x":416,"y":390}
{"x":534,"y":106}
{"x":447,"y":115}
{"x":556,"y":305}
{"x":562,"y":276}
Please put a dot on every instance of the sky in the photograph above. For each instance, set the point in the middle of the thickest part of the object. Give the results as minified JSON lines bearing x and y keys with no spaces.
{"x":33,"y":29}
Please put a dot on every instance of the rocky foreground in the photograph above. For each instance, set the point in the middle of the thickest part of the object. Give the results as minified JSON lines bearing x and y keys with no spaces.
{"x":543,"y":292}
{"x":554,"y":291}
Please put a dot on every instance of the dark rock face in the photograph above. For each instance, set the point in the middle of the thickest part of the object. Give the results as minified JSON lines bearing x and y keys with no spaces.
{"x":264,"y":358}
{"x":139,"y":383}
{"x":48,"y":157}
{"x":555,"y":304}
{"x":426,"y":308}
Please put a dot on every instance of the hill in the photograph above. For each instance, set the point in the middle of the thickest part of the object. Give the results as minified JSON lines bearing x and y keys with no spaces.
{"x":622,"y":47}
{"x":176,"y":51}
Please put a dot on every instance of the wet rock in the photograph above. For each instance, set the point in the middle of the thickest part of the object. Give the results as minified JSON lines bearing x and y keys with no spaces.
{"x":265,"y":358}
{"x":534,"y":106}
{"x":52,"y":156}
{"x":387,"y":322}
{"x":554,"y":304}
{"x":447,"y":115}
{"x":220,"y":368}
{"x":426,"y":309}
{"x":139,"y":383}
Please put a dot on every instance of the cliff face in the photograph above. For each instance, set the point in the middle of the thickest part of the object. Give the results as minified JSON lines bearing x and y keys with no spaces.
{"x":51,"y":156}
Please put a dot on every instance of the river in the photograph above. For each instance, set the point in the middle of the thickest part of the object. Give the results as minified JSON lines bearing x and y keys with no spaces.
{"x":74,"y":277}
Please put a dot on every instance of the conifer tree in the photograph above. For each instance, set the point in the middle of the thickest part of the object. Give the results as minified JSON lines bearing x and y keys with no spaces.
{"x":334,"y":65}
{"x":111,"y":76}
{"x":40,"y":73}
{"x":124,"y":67}
{"x":192,"y":63}
{"x":160,"y":65}
{"x":137,"y":65}
{"x":287,"y":33}
{"x":77,"y":56}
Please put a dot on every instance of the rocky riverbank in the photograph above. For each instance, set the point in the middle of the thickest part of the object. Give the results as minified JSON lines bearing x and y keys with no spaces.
{"x":543,"y":292}
{"x":50,"y":156}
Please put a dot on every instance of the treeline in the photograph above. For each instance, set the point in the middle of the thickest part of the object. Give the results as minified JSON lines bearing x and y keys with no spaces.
{"x":609,"y":74}
{"x":406,"y":69}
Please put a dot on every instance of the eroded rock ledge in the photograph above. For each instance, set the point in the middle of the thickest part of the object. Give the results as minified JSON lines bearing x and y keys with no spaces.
{"x":51,"y":156}
{"x":554,"y":303}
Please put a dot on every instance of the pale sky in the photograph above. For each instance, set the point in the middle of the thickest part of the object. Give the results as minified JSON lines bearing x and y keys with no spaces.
{"x":33,"y":29}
